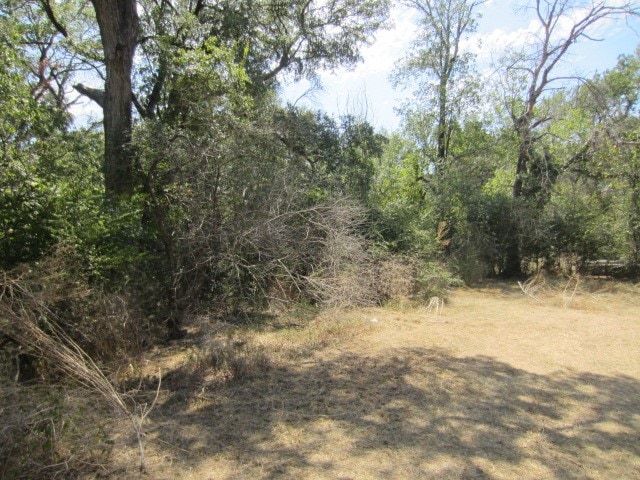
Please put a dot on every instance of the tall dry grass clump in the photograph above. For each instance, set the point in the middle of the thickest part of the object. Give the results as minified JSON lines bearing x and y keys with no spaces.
{"x":43,"y":348}
{"x":576,"y":291}
{"x":108,"y":326}
{"x":44,"y":432}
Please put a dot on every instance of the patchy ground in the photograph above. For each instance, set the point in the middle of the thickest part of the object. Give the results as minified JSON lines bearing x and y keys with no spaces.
{"x":499,"y":385}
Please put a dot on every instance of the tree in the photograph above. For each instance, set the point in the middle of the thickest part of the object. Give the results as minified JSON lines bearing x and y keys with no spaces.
{"x":339,"y":156}
{"x":188,"y":102}
{"x":539,"y":66}
{"x":406,"y":218}
{"x":561,"y":23}
{"x":446,"y":88}
{"x":360,"y":146}
{"x":118,"y":23}
{"x":300,"y":36}
{"x":611,"y":104}
{"x":443,"y":71}
{"x":118,"y":27}
{"x":269,"y":38}
{"x":30,"y":129}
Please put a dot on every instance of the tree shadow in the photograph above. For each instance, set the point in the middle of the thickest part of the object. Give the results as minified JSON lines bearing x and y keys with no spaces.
{"x":475,"y":412}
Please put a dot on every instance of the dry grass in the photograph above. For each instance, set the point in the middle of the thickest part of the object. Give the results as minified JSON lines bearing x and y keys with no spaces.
{"x":497,"y":385}
{"x":44,"y":434}
{"x":29,"y":323}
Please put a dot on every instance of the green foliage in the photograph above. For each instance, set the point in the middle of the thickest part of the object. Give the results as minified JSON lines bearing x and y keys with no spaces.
{"x":460,"y":213}
{"x":579,"y":226}
{"x":267,"y":39}
{"x":610,"y":160}
{"x":360,"y":147}
{"x":238,"y":200}
{"x":441,"y":73}
{"x":227,"y":180}
{"x":204,"y":82}
{"x":435,"y":279}
{"x":338,"y":158}
{"x":30,"y":136}
{"x":405,"y":220}
{"x":50,"y":187}
{"x":27,"y":217}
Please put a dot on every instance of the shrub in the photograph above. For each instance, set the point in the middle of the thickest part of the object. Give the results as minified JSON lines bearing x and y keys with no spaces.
{"x":106,"y":326}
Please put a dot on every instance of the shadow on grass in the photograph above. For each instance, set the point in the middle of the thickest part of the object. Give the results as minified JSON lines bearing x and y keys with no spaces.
{"x":475,"y":412}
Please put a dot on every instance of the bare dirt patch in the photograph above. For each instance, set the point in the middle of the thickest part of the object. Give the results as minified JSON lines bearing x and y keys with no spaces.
{"x":499,"y":385}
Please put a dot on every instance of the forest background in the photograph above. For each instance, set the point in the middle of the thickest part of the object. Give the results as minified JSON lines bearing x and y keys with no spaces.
{"x":200,"y":190}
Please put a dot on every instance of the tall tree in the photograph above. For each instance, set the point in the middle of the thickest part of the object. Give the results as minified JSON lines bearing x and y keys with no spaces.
{"x":118,"y":27}
{"x":611,"y":102}
{"x":439,"y":65}
{"x":270,"y":38}
{"x":118,"y":22}
{"x":553,"y":41}
{"x":561,"y":23}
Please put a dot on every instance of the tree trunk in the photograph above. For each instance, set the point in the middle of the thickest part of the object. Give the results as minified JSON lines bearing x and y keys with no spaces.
{"x":513,"y":257}
{"x":634,"y":219}
{"x":118,"y":22}
{"x":442,"y":126}
{"x":522,"y":127}
{"x":521,"y":168}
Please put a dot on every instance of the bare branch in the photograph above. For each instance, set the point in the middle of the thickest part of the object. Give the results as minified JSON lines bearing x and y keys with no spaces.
{"x":94,"y":94}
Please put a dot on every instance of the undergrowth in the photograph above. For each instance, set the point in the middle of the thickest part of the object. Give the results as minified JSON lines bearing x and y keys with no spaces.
{"x":575,"y":291}
{"x":71,"y":353}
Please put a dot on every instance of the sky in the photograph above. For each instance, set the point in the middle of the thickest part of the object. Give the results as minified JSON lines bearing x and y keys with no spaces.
{"x":367,"y":91}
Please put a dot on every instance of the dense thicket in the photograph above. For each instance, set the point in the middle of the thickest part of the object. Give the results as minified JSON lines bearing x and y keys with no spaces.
{"x":200,"y":192}
{"x":515,"y":182}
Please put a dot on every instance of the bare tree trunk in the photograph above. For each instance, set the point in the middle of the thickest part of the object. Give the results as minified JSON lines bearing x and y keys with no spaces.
{"x":442,"y":126}
{"x":118,"y":22}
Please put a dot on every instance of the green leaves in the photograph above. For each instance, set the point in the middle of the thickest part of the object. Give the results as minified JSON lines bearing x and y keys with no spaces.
{"x":440,"y":73}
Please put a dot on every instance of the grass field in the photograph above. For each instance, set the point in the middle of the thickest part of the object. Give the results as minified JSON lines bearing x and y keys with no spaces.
{"x":497,"y":385}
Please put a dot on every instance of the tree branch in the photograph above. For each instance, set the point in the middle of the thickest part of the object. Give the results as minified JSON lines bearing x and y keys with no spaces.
{"x":198,"y":8}
{"x":94,"y":94}
{"x":144,"y":113}
{"x":284,"y":63}
{"x":48,"y":10}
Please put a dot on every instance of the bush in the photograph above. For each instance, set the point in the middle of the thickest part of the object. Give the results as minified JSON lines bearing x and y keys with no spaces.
{"x":234,"y":359}
{"x":106,"y":326}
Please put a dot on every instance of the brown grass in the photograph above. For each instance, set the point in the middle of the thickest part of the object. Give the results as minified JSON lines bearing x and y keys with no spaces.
{"x":495,"y":385}
{"x":30,"y":323}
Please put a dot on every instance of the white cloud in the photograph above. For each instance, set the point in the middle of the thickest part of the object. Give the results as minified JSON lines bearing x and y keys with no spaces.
{"x":392,"y":44}
{"x":389,"y":46}
{"x":490,"y":45}
{"x":365,"y":90}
